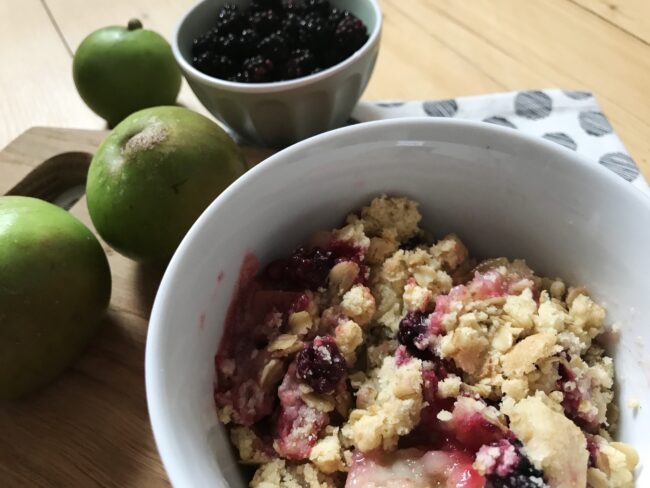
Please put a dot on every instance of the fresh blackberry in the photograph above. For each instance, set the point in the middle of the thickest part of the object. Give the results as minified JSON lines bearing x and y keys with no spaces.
{"x":239,"y":46}
{"x":291,"y":29}
{"x":336,"y":15}
{"x":329,"y":57}
{"x":350,"y":34}
{"x":214,"y":65}
{"x":229,"y":45}
{"x":300,"y":63}
{"x":321,"y":365}
{"x":206,"y":42}
{"x":274,"y":47}
{"x":258,"y":69}
{"x":262,"y":5}
{"x":248,"y":40}
{"x":277,"y":39}
{"x":265,"y":22}
{"x":320,"y":7}
{"x":315,"y":32}
{"x":240,"y":76}
{"x":230,"y":19}
{"x":293,"y":6}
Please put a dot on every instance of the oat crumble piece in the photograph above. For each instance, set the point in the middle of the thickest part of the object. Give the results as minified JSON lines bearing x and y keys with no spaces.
{"x":280,"y":474}
{"x":393,"y":412}
{"x":551,"y":441}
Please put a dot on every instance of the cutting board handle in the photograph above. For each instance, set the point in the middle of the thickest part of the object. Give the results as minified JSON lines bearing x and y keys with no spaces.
{"x":48,"y":163}
{"x":60,"y":179}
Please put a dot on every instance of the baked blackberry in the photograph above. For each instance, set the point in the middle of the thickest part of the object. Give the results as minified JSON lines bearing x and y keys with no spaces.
{"x":321,"y":365}
{"x":513,"y":469}
{"x":412,"y":332}
{"x":305,"y":269}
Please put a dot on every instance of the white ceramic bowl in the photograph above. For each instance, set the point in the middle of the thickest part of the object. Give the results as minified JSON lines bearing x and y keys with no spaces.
{"x":503,"y":192}
{"x":281,"y":113}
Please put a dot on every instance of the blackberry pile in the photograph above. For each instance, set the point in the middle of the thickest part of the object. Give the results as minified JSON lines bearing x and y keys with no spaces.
{"x":275,"y":40}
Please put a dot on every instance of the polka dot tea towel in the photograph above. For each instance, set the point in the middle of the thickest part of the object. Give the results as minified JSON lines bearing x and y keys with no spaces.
{"x":572,"y":119}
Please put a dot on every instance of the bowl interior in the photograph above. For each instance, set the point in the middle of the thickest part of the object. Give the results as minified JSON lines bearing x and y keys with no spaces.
{"x":503,"y":193}
{"x":202,"y":16}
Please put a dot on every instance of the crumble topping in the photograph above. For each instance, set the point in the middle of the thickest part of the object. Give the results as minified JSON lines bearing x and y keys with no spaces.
{"x":377,"y":356}
{"x":392,"y":401}
{"x":551,"y":441}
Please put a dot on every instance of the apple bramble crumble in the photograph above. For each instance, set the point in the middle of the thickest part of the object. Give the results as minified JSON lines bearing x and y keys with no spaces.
{"x":375,"y":356}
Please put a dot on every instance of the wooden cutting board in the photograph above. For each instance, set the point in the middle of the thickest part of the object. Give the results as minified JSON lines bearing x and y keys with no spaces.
{"x":91,"y":426}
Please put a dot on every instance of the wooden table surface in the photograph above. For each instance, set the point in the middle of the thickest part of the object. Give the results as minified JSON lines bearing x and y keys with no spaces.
{"x":430,"y":49}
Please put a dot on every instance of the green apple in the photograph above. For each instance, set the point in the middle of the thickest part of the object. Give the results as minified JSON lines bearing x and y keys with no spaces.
{"x":55,"y":285}
{"x":119,"y":70}
{"x":154,"y":175}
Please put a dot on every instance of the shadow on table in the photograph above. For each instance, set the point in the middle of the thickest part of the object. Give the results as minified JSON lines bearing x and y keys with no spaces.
{"x":90,"y":427}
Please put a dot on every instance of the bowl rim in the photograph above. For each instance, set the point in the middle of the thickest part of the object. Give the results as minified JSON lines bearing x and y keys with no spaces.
{"x":275,"y":86}
{"x":163,"y":424}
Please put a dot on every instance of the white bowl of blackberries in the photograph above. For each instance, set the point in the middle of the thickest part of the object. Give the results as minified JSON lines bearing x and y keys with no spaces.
{"x":279,"y":71}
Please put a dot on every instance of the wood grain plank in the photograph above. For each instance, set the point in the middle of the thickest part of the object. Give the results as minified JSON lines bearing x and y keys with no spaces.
{"x":36,"y":77}
{"x":559,"y":45}
{"x":413,"y":64}
{"x":633,"y":16}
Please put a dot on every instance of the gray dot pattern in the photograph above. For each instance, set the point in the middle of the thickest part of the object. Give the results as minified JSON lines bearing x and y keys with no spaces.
{"x":440,"y":108}
{"x":533,"y":105}
{"x":562,"y":139}
{"x":390,"y":104}
{"x":621,"y":164}
{"x":594,"y":123}
{"x":500,"y":121}
{"x":577,"y":95}
{"x":573,"y":114}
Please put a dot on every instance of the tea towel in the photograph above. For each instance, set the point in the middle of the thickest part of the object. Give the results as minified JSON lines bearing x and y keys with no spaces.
{"x":573,"y":119}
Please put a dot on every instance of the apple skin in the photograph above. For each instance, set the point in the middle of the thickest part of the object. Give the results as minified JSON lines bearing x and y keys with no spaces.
{"x":119,"y":70}
{"x":55,"y":285}
{"x":154,"y":175}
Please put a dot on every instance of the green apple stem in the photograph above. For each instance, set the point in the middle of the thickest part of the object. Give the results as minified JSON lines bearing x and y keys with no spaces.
{"x":134,"y":24}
